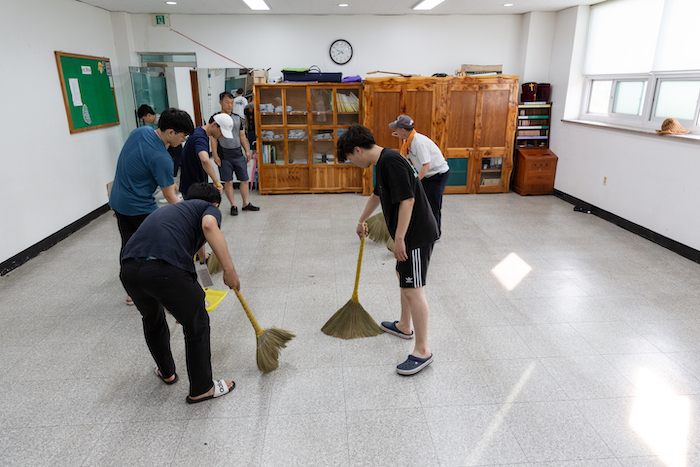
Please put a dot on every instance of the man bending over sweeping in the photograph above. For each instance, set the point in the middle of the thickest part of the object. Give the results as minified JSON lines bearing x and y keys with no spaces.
{"x":157,"y":271}
{"x":411,"y":224}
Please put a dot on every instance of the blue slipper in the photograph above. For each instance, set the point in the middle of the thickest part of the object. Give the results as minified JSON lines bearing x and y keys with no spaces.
{"x":391,"y":328}
{"x":413,"y":365}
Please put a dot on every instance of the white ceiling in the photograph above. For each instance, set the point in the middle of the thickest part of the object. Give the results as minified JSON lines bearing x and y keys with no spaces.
{"x":330,"y":7}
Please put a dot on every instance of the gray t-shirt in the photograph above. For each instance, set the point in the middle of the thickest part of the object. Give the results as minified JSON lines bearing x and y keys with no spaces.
{"x":235,"y":142}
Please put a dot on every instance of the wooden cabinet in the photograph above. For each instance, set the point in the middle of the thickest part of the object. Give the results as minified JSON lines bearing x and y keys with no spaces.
{"x":535,"y":170}
{"x":533,"y":125}
{"x":471,"y":119}
{"x":297,"y":126}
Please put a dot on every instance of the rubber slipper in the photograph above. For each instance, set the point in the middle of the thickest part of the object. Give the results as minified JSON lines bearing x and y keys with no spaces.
{"x":220,"y":389}
{"x":158,"y":374}
{"x":129,"y":302}
{"x":413,"y":365}
{"x":391,"y":328}
{"x":206,"y":258}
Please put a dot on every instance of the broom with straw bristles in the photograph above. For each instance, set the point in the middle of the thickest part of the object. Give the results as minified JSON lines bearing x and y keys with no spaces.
{"x":378,"y":231}
{"x":352,"y":321}
{"x":213,"y":264}
{"x":270,"y":341}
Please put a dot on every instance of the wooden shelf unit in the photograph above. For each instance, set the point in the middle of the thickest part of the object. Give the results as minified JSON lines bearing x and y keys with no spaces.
{"x":533,"y":125}
{"x":472,"y":120}
{"x":297,"y":126}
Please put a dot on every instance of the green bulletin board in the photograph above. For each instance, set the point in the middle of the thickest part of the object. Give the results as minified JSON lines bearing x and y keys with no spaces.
{"x":88,"y":91}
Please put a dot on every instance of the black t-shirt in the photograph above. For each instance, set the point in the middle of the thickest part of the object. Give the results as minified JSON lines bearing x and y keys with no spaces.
{"x":172,"y":233}
{"x":397,"y":181}
{"x":192,"y":170}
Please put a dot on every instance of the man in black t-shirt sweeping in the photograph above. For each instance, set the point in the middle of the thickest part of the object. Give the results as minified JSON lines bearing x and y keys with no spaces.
{"x":413,"y":227}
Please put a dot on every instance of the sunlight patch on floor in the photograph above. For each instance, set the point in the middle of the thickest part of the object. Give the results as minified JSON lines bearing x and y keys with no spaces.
{"x":511,"y":271}
{"x":661,"y":418}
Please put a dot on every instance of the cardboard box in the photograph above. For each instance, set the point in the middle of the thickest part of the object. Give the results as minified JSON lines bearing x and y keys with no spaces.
{"x":476,"y":69}
{"x":259,"y":76}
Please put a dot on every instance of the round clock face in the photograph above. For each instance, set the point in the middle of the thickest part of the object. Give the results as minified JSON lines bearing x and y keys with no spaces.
{"x":341,"y":51}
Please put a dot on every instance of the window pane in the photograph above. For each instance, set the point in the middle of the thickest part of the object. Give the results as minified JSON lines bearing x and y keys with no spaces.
{"x":629,"y":97}
{"x":600,"y":96}
{"x":677,"y":99}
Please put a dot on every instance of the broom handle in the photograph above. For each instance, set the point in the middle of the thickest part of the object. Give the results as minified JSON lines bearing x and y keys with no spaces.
{"x":258,"y":330}
{"x":355,"y":298}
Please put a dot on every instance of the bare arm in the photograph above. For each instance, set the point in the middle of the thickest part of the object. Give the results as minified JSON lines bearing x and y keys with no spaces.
{"x":372,"y":204}
{"x":217,"y":242}
{"x":424,"y":170}
{"x":405,"y":212}
{"x":244,"y":145}
{"x":209,"y":168}
{"x":215,"y":151}
{"x":169,"y":194}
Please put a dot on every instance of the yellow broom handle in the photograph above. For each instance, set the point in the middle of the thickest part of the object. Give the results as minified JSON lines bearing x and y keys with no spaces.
{"x":359,"y":266}
{"x":253,"y":321}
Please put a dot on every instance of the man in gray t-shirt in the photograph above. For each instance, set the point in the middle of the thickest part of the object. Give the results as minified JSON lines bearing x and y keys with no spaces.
{"x":228,"y":155}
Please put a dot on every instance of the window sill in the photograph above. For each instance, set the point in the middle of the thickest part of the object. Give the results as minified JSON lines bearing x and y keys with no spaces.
{"x":690,"y":138}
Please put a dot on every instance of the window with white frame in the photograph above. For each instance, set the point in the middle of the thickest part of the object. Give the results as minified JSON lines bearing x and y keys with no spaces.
{"x":639,"y":69}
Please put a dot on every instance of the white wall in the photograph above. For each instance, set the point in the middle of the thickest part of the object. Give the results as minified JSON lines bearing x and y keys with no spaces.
{"x":537,"y":37}
{"x":407,"y":44}
{"x":48,"y":177}
{"x":652,"y":180}
{"x":184,"y":90}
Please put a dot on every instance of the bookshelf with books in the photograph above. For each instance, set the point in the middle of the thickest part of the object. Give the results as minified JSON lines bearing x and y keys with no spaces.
{"x":297,"y":129}
{"x":532,"y":130}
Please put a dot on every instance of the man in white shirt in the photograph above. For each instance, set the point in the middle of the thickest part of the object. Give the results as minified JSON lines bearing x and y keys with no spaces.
{"x":427,"y":160}
{"x":239,"y":104}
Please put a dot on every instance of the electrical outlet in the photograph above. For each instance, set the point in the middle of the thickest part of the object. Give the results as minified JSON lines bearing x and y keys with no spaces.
{"x":605,"y":180}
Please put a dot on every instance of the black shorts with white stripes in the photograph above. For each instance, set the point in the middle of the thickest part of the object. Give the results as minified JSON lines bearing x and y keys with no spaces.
{"x":413,"y":271}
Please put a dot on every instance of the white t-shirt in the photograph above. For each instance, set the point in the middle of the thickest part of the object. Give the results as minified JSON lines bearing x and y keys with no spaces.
{"x":424,"y":150}
{"x":239,"y":103}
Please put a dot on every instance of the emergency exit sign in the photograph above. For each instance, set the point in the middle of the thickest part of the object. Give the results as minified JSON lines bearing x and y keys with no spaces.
{"x":161,"y":20}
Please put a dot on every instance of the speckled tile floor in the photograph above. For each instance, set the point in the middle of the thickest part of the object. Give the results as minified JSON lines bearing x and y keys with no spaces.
{"x":560,"y":340}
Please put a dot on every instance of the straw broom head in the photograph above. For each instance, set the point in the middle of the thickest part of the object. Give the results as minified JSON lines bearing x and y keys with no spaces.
{"x":352,"y":321}
{"x":213,"y":264}
{"x":376,"y":228}
{"x":269,"y":341}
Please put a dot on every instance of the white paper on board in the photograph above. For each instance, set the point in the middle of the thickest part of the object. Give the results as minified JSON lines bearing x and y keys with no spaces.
{"x":75,"y":92}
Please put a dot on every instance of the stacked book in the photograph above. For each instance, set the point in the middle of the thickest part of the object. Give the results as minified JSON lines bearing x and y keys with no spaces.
{"x":348,"y":102}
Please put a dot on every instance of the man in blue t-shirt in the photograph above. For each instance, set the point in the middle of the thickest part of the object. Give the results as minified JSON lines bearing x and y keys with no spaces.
{"x":157,"y":270}
{"x":144,"y":164}
{"x":195,"y":163}
{"x":411,"y":224}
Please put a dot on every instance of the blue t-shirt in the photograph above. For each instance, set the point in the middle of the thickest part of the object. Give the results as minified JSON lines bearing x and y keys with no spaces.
{"x":172,"y":233}
{"x":143,"y":165}
{"x":192,"y":171}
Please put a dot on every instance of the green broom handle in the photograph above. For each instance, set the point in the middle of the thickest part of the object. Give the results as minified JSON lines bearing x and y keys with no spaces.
{"x":355,"y":298}
{"x":258,"y":330}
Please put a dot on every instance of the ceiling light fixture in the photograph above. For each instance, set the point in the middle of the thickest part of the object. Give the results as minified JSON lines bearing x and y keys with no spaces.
{"x":507,"y":4}
{"x":342,"y":4}
{"x":427,"y":4}
{"x":171,"y":3}
{"x":257,"y":4}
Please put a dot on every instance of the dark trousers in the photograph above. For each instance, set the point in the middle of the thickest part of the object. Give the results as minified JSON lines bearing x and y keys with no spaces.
{"x":127,"y":226}
{"x":154,"y":284}
{"x":434,"y":187}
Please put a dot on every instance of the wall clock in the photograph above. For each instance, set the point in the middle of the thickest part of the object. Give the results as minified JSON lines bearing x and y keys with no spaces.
{"x":341,"y":51}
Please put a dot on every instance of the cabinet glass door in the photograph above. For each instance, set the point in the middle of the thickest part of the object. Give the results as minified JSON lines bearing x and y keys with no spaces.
{"x":323,"y":146}
{"x":298,"y":145}
{"x":296,"y":106}
{"x":271,"y":110}
{"x":322,"y":107}
{"x":491,"y":168}
{"x":272,"y":146}
{"x":348,"y":106}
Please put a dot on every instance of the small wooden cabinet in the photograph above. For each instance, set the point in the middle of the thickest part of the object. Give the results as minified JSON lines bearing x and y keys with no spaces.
{"x":534,"y":171}
{"x":297,"y":126}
